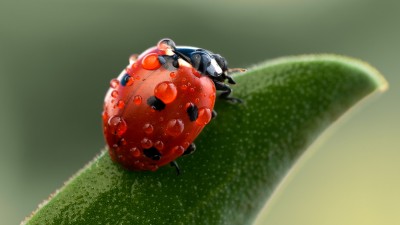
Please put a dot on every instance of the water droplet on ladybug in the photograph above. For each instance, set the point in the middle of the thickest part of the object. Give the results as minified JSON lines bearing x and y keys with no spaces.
{"x":204,"y":116}
{"x":117,"y":125}
{"x":159,"y":145}
{"x":146,"y":143}
{"x":135,"y":152}
{"x":212,"y":96}
{"x":185,"y":145}
{"x":184,"y":87}
{"x":114,"y":83}
{"x":166,"y":92}
{"x":197,"y":100}
{"x":148,"y":128}
{"x":154,"y":167}
{"x":172,"y":75}
{"x":175,"y":127}
{"x":122,"y":142}
{"x":121,"y":104}
{"x":114,"y":94}
{"x":177,"y":150}
{"x":196,"y":73}
{"x":165,"y":44}
{"x":133,"y":58}
{"x":150,"y":62}
{"x":137,"y":99}
{"x":104,"y":115}
{"x":191,"y":89}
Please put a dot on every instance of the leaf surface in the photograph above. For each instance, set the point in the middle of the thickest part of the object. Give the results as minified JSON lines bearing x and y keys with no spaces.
{"x":241,"y":156}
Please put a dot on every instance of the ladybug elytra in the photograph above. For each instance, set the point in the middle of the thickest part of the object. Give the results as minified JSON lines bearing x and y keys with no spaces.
{"x":160,"y":103}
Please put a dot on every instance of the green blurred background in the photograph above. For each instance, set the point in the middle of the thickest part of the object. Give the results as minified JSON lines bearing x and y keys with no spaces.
{"x":57,"y":57}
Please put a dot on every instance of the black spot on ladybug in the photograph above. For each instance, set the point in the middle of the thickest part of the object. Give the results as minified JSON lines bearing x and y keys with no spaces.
{"x":169,"y":62}
{"x":193,"y":112}
{"x":155,"y":103}
{"x":125,"y":79}
{"x":162,"y":60}
{"x":152,"y":153}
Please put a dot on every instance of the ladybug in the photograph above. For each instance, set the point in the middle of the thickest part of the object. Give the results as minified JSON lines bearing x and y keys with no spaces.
{"x":160,"y":103}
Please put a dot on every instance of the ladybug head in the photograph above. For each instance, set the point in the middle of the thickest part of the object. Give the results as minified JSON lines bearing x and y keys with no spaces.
{"x":204,"y":61}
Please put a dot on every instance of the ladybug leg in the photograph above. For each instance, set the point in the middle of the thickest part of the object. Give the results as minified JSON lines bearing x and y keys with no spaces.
{"x":190,"y":149}
{"x":214,"y":114}
{"x":175,"y":164}
{"x":230,"y":79}
{"x":226,"y":91}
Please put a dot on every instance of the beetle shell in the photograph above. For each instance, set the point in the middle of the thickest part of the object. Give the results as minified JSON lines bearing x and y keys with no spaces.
{"x":145,"y":119}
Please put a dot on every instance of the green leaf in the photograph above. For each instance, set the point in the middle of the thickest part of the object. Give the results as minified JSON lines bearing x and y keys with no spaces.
{"x":241,"y":155}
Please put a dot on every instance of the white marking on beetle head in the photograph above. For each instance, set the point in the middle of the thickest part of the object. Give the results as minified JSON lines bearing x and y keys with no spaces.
{"x":214,"y":67}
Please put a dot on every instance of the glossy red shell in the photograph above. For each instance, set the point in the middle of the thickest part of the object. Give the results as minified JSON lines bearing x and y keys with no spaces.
{"x":131,"y":125}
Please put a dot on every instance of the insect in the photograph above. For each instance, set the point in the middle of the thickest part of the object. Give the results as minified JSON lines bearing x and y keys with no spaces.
{"x":160,"y":103}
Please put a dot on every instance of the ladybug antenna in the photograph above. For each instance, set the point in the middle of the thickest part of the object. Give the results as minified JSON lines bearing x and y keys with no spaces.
{"x":233,"y":70}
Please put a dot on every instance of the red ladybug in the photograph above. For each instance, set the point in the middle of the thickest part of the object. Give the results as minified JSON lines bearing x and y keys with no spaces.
{"x":160,"y":103}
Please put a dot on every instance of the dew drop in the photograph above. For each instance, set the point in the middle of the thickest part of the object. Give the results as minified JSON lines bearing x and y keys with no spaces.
{"x":159,"y":145}
{"x":191,"y":89}
{"x":175,"y":127}
{"x":212,"y":97}
{"x":197,"y":100}
{"x":114,"y":94}
{"x":204,"y":116}
{"x":184,"y":87}
{"x":150,"y":62}
{"x":121,"y":104}
{"x":172,"y":75}
{"x":146,"y":143}
{"x":135,"y":152}
{"x":104,"y":116}
{"x":166,"y":92}
{"x":177,"y":150}
{"x":133,"y":58}
{"x":196,"y":73}
{"x":185,"y":145}
{"x":154,"y":167}
{"x":165,"y":44}
{"x":122,"y":142}
{"x":117,"y":125}
{"x":137,"y":99}
{"x":114,"y":83}
{"x":148,"y":128}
